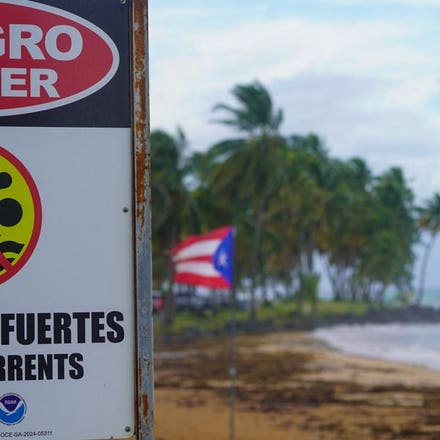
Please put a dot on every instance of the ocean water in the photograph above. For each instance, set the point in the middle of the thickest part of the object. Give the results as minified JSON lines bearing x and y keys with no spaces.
{"x":417,"y":344}
{"x":431,"y":298}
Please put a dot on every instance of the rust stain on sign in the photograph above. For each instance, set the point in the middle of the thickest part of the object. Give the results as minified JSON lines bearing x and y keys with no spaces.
{"x":144,"y":399}
{"x":145,"y":405}
{"x":142,"y":158}
{"x":142,"y":199}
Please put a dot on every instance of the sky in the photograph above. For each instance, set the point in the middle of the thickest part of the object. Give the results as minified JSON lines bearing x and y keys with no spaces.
{"x":362,"y":74}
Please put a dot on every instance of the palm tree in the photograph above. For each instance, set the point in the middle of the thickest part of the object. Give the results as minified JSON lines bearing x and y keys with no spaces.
{"x":429,"y":221}
{"x":294,"y":216}
{"x":386,"y":257}
{"x":248,"y":169}
{"x":256,"y":115}
{"x":174,"y":210}
{"x":342,"y":233}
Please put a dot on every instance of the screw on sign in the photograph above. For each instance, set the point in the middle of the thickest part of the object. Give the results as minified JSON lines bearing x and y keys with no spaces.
{"x":20,"y":215}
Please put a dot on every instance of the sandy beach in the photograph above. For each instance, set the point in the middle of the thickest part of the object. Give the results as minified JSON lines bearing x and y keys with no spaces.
{"x":291,"y":386}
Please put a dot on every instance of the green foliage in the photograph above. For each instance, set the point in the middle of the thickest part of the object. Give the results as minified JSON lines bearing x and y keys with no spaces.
{"x":307,"y":293}
{"x":283,"y":312}
{"x":429,"y":222}
{"x":326,"y":308}
{"x":255,"y":113}
{"x":174,"y":211}
{"x":291,"y":203}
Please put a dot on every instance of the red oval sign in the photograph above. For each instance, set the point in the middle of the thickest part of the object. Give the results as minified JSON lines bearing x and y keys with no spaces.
{"x":50,"y":57}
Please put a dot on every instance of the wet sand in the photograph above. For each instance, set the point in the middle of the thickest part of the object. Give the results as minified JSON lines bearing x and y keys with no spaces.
{"x":291,"y":386}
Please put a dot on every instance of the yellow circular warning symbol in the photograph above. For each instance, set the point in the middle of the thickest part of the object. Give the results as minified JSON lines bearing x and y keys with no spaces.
{"x":20,"y":215}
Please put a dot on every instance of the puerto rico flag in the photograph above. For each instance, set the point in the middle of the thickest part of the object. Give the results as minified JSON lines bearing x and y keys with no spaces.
{"x":205,"y":260}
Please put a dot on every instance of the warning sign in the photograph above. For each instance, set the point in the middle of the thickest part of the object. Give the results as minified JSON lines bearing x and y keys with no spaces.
{"x":50,"y":57}
{"x":73,"y":86}
{"x":20,"y":215}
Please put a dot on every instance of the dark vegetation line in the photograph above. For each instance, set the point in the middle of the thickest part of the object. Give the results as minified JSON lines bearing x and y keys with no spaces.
{"x":291,"y":202}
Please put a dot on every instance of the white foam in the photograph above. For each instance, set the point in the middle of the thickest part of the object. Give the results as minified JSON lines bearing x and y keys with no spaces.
{"x":413,"y":343}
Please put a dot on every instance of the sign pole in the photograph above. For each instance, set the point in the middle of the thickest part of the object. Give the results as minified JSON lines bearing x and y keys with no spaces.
{"x":142,"y":203}
{"x":233,"y":360}
{"x":233,"y":366}
{"x":75,"y":220}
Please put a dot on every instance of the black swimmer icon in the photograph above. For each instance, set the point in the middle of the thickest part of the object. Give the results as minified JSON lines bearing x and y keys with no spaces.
{"x":11,"y":211}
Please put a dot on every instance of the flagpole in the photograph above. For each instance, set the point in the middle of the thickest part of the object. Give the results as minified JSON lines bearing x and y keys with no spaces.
{"x":233,"y":365}
{"x":222,"y":262}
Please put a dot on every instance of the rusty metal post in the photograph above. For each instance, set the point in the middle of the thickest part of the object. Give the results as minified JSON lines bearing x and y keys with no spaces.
{"x":142,"y":180}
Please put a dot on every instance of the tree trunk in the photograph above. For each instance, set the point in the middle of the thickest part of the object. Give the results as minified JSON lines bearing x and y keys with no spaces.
{"x":423,"y":268}
{"x":254,"y":266}
{"x":168,"y":306}
{"x":254,"y":256}
{"x":264,"y":290}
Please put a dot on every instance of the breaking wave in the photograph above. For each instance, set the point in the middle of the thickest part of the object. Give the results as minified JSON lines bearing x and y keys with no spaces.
{"x":417,"y":344}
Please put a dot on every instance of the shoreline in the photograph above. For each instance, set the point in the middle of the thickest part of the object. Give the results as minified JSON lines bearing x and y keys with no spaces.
{"x":292,"y":385}
{"x":394,"y":342}
{"x":407,"y":315}
{"x":421,"y":375}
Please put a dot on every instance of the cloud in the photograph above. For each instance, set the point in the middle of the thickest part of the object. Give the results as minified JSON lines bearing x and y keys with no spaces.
{"x":370,"y":87}
{"x":363,"y":85}
{"x":416,"y":3}
{"x":334,"y":106}
{"x":208,"y":60}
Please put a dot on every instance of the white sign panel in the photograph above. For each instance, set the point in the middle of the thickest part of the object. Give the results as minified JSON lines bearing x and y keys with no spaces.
{"x":67,"y":332}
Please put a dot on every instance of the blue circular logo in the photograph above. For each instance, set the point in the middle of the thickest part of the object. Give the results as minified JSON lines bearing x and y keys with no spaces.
{"x":12,"y":409}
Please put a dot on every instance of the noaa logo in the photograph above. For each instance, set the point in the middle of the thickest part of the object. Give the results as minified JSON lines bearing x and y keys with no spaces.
{"x":12,"y":409}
